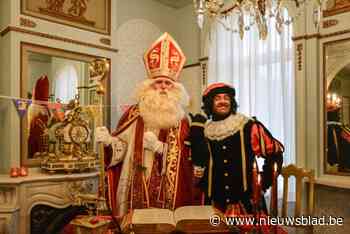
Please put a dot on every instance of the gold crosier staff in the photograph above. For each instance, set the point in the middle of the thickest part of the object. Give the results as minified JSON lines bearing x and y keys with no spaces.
{"x":98,"y":70}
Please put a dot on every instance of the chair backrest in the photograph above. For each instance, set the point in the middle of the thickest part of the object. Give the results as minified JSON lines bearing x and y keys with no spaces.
{"x":299,"y":174}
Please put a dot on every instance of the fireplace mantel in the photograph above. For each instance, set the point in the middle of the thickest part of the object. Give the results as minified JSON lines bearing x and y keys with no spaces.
{"x":19,"y":195}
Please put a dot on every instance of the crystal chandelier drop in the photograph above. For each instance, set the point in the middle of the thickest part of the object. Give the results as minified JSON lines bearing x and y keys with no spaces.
{"x":254,"y":12}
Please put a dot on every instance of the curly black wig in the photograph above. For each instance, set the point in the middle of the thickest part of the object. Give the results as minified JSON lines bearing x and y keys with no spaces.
{"x":208,"y":99}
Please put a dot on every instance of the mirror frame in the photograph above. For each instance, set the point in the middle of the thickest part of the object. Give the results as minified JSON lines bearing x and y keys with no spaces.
{"x":26,"y":48}
{"x":326,"y":82}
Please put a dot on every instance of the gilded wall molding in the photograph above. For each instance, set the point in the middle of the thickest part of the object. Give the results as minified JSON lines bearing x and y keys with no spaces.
{"x":77,"y":14}
{"x":53,"y":37}
{"x":204,"y":70}
{"x":337,"y":7}
{"x":191,"y":65}
{"x":319,"y":36}
{"x":306,"y":37}
{"x":105,"y":41}
{"x":199,"y":63}
{"x":299,"y":55}
{"x":335,"y":33}
{"x":27,"y":22}
{"x":329,"y":23}
{"x":5,"y":31}
{"x":204,"y":74}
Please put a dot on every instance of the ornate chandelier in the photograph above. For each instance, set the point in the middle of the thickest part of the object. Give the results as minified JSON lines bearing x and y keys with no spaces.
{"x":333,"y":101}
{"x":254,"y":12}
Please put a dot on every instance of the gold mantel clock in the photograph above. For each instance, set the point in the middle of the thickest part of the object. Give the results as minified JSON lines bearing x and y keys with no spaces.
{"x":70,"y":147}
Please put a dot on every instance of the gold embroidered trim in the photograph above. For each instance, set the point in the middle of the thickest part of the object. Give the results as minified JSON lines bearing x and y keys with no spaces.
{"x":178,"y":164}
{"x":336,"y":143}
{"x":197,"y":124}
{"x":210,"y":172}
{"x":262,"y":143}
{"x":173,"y":160}
{"x":146,"y":190}
{"x":134,"y":113}
{"x":244,"y":170}
{"x":132,"y":190}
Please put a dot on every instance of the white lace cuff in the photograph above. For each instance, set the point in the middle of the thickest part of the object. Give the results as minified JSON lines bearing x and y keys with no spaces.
{"x":119,"y":149}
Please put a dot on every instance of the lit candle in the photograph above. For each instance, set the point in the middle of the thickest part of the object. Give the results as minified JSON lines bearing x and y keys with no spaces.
{"x":275,"y":167}
{"x":258,"y":189}
{"x":274,"y":191}
{"x":254,"y":182}
{"x":255,"y":172}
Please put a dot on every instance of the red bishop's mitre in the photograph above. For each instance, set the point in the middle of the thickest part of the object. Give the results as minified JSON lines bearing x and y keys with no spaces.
{"x":41,"y":89}
{"x":164,"y":58}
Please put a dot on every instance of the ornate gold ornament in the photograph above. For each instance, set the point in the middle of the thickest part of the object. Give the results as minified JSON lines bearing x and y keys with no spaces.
{"x":330,"y":23}
{"x":105,"y":41}
{"x":70,"y":147}
{"x":98,"y":69}
{"x":27,"y":22}
{"x":75,"y":12}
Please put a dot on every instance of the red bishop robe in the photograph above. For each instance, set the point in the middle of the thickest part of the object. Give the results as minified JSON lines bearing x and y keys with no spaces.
{"x":37,"y":128}
{"x":129,"y":188}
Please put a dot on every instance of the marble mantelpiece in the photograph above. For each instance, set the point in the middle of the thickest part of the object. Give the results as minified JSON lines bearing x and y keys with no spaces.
{"x":19,"y":195}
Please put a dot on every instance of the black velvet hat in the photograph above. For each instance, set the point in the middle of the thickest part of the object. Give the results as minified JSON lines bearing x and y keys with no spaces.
{"x":217,"y":88}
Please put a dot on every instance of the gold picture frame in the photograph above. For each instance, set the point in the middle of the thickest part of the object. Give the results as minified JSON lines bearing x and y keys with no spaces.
{"x":335,"y":7}
{"x":90,"y":15}
{"x":336,"y":59}
{"x":26,"y":50}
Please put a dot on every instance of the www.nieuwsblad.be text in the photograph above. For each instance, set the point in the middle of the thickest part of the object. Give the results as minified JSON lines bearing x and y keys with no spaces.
{"x":215,"y":220}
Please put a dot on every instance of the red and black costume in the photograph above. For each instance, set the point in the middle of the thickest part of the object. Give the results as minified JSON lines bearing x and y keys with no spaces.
{"x":226,"y":147}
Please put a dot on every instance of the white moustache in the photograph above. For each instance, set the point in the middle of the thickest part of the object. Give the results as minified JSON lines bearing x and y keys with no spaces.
{"x":161,"y":109}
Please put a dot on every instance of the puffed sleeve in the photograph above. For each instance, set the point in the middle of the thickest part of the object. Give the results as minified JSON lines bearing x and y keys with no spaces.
{"x":264,"y":145}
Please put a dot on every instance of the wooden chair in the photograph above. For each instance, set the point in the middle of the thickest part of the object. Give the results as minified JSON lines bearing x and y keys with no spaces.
{"x":301,"y":176}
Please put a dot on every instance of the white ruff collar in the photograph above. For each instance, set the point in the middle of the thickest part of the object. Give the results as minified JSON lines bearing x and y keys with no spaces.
{"x":218,"y":130}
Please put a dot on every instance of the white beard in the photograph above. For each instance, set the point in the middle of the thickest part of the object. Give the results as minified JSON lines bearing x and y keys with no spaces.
{"x":162,"y":110}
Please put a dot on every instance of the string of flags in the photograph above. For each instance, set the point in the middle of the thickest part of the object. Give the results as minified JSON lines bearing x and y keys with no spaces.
{"x":22,"y":105}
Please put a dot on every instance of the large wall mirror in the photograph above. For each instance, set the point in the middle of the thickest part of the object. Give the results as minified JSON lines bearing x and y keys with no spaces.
{"x":55,"y":81}
{"x":337,"y":107}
